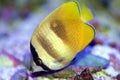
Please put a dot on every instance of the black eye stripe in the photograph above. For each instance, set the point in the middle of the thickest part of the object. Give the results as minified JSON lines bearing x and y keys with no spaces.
{"x":36,"y":58}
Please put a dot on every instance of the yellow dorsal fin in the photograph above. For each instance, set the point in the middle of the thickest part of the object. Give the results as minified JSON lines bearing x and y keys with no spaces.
{"x":86,"y":14}
{"x":66,"y":11}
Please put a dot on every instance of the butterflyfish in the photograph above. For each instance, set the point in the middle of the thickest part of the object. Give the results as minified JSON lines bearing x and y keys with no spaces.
{"x":60,"y":37}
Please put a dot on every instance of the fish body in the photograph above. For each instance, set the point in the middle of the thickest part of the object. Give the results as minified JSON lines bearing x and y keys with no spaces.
{"x":61,"y":36}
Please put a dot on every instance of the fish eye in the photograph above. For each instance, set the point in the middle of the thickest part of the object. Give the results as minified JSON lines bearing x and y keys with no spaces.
{"x":38,"y":61}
